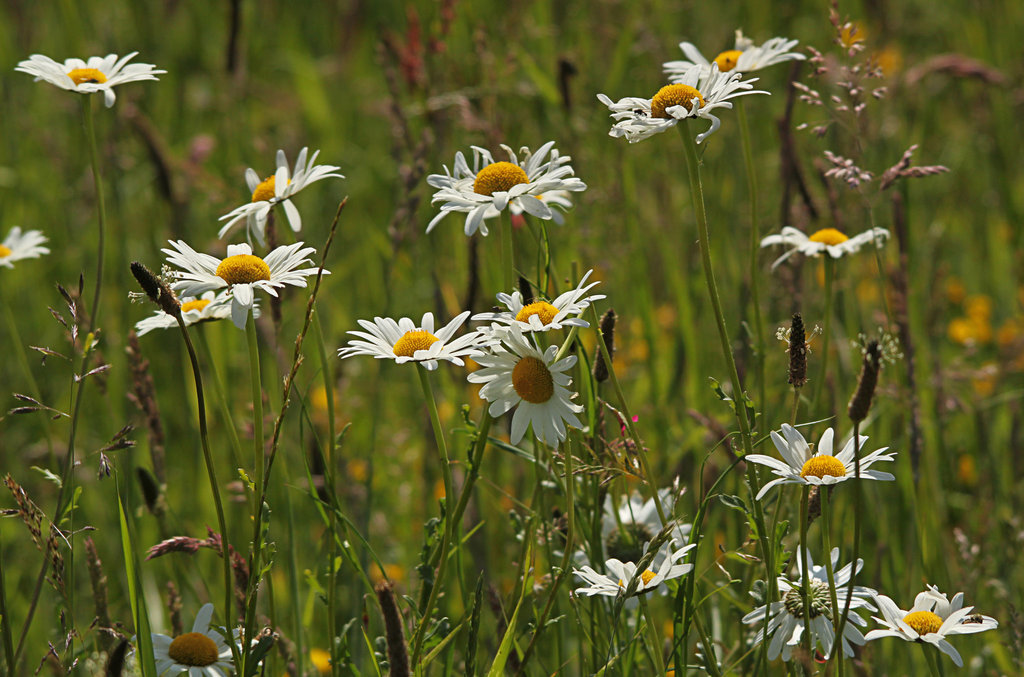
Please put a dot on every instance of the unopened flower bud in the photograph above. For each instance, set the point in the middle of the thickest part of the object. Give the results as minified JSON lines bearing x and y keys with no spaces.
{"x":861,"y":401}
{"x":158,"y":291}
{"x":608,"y":334}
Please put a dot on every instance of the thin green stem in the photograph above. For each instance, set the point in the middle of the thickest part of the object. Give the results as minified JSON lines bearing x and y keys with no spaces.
{"x":857,"y":499}
{"x":805,"y":574}
{"x":5,"y":618}
{"x":652,"y":632}
{"x":507,"y":254}
{"x":90,"y":132}
{"x":827,"y":336}
{"x":211,"y":473}
{"x":256,"y":385}
{"x":259,"y":492}
{"x":446,"y":539}
{"x":755,"y":246}
{"x":332,"y":547}
{"x":711,"y":659}
{"x":826,"y":541}
{"x":222,"y":402}
{"x":15,"y":337}
{"x":933,"y":659}
{"x":739,"y":403}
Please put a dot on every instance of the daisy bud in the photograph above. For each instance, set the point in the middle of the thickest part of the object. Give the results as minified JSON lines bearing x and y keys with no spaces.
{"x":861,"y":401}
{"x":398,"y":657}
{"x":797,"y":352}
{"x":158,"y":291}
{"x":608,"y":334}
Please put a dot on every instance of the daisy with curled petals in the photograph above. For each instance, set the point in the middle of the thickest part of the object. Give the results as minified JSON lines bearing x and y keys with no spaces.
{"x":194,"y":310}
{"x":699,"y":93}
{"x":931,"y":620}
{"x":832,"y":241}
{"x":240,"y":271}
{"x":21,"y":245}
{"x":800,"y":466}
{"x":200,"y":653}
{"x":405,"y":341}
{"x":277,"y":189}
{"x":787,"y":620}
{"x":627,"y":529}
{"x":552,"y":198}
{"x":98,"y":74}
{"x":617,"y":581}
{"x":516,"y":374}
{"x":539,"y":315}
{"x":489,"y":187}
{"x":744,"y":57}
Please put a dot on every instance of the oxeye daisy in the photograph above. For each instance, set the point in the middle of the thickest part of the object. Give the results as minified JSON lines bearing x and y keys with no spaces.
{"x":405,"y":341}
{"x":787,"y":619}
{"x":21,"y":245}
{"x":535,"y":184}
{"x":698,"y":93}
{"x":932,"y":619}
{"x":205,"y":308}
{"x":516,"y":374}
{"x":277,"y":188}
{"x":832,"y":241}
{"x":200,"y":653}
{"x":800,"y":466}
{"x":616,"y":582}
{"x":240,"y":271}
{"x":744,"y":57}
{"x":98,"y":74}
{"x":540,"y":315}
{"x":627,"y":528}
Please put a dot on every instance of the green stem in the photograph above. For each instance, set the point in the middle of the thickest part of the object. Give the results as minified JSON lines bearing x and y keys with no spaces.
{"x":211,"y":473}
{"x":446,"y":539}
{"x":805,"y":574}
{"x":933,"y":659}
{"x":256,"y":547}
{"x":332,"y":547}
{"x":101,"y":206}
{"x":652,"y":631}
{"x":711,"y":660}
{"x":739,"y":404}
{"x":755,"y":246}
{"x":15,"y":336}
{"x":507,"y":255}
{"x":826,"y":541}
{"x":857,"y":499}
{"x":5,"y":624}
{"x":222,"y":401}
{"x":826,"y":337}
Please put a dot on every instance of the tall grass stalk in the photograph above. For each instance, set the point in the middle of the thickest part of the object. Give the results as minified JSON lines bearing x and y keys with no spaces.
{"x":830,"y":273}
{"x":90,"y":132}
{"x":826,"y":542}
{"x":857,"y":509}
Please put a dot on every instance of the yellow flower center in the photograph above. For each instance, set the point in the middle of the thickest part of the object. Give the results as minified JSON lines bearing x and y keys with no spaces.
{"x":532,"y":380}
{"x":728,"y":59}
{"x":497,"y":177}
{"x":542,"y":309}
{"x":923,"y":622}
{"x":674,"y":95}
{"x":412,"y":341}
{"x":197,"y":304}
{"x":321,"y":660}
{"x":4,"y":251}
{"x":829,"y":236}
{"x":266,"y":190}
{"x":646,"y":577}
{"x":80,"y":75}
{"x":194,"y":649}
{"x":243,"y":269}
{"x":821,"y":466}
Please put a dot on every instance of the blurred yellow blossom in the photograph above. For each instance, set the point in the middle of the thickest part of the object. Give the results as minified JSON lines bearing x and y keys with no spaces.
{"x":955,"y":290}
{"x":321,"y":660}
{"x":967,"y":470}
{"x":978,"y":307}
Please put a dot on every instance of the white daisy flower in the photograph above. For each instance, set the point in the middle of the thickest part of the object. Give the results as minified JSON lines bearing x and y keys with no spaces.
{"x":533,"y":185}
{"x":240,"y":272}
{"x":626,"y":530}
{"x":405,"y":341}
{"x":208,"y":307}
{"x":931,"y":620}
{"x":200,"y":653}
{"x":800,"y":466}
{"x":743,"y":58}
{"x":21,"y":245}
{"x":564,"y":311}
{"x":786,"y":623}
{"x":621,"y":573}
{"x":98,"y":74}
{"x":830,"y":240}
{"x":277,"y":188}
{"x":516,"y":374}
{"x":697,"y":94}
{"x":552,"y":198}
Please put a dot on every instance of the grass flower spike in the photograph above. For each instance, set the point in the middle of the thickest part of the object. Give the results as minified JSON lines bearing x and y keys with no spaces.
{"x":98,"y":74}
{"x":832,"y":241}
{"x":534,"y":184}
{"x":208,"y":307}
{"x":278,"y":188}
{"x":621,"y":573}
{"x":786,"y":624}
{"x":516,"y":374}
{"x":800,"y":466}
{"x":405,"y":341}
{"x":240,"y":272}
{"x":201,"y":653}
{"x":540,"y":315}
{"x":21,"y":245}
{"x":698,"y":93}
{"x":932,"y":619}
{"x":744,"y":57}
